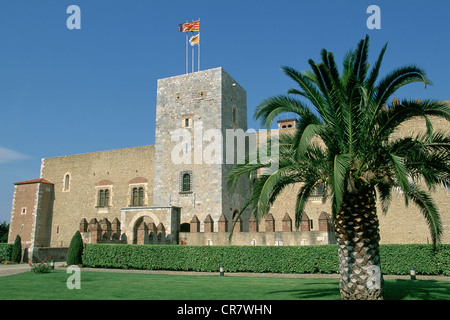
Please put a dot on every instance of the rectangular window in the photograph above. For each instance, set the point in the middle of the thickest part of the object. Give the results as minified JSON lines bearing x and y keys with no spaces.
{"x":103,"y":198}
{"x":186,"y":182}
{"x":317,"y":191}
{"x":137,"y":197}
{"x":106,"y":202}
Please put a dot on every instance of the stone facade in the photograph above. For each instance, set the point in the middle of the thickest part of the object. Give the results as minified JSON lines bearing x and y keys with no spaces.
{"x":197,"y":104}
{"x":141,"y":195}
{"x":118,"y":171}
{"x":253,"y":237}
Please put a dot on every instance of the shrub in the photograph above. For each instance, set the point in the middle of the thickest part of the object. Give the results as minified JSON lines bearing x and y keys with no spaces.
{"x":75,"y":251}
{"x":43,"y":267}
{"x":16,"y":253}
{"x":5,"y":251}
{"x":395,"y":259}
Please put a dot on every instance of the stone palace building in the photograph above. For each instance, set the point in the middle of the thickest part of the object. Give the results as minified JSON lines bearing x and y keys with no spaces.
{"x":147,"y":195}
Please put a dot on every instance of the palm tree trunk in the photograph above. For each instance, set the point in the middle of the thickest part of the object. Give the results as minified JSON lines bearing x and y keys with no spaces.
{"x":357,"y":233}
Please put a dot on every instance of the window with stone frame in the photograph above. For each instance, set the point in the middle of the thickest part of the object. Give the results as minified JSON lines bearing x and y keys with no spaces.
{"x":103,"y":198}
{"x":234,"y":116}
{"x":66,"y":182}
{"x":186,"y":181}
{"x":187,"y":121}
{"x":317,"y":191}
{"x":137,"y":196}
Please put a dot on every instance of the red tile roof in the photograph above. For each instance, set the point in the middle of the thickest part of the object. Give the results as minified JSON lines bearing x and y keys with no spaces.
{"x":40,"y":180}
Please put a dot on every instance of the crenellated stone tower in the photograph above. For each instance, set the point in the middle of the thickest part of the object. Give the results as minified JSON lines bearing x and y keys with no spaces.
{"x":193,"y":112}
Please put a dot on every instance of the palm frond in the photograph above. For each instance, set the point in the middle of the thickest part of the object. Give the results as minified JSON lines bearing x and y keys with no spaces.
{"x":428,"y":209}
{"x":375,"y":70}
{"x":425,"y":157}
{"x":309,"y":90}
{"x":384,"y":190}
{"x":400,"y":172}
{"x":270,"y":108}
{"x":340,"y":172}
{"x":388,"y":120}
{"x":361,"y":66}
{"x":302,"y":199}
{"x":394,"y":80}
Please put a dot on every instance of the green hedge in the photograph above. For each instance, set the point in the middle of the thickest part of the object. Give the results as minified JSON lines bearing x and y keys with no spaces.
{"x":5,"y":251}
{"x":395,"y":259}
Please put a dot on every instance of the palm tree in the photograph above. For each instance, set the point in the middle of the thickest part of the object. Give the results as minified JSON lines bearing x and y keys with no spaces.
{"x":343,"y":142}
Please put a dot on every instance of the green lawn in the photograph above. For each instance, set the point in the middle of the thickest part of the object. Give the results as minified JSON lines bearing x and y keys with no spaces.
{"x":108,"y":286}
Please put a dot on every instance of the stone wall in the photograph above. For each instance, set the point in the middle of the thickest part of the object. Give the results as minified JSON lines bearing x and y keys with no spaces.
{"x":140,"y":224}
{"x":118,"y":171}
{"x":39,"y":254}
{"x":286,"y":236}
{"x":296,"y":238}
{"x":198,"y":103}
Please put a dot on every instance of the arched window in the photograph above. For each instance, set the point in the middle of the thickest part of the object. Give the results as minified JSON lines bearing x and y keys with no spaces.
{"x":234,"y":115}
{"x":186,"y":182}
{"x":185,"y":227}
{"x":66,"y":182}
{"x":137,"y":197}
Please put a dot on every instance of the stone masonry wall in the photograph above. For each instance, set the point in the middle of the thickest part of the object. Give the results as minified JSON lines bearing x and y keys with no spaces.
{"x":116,"y":170}
{"x":198,"y":103}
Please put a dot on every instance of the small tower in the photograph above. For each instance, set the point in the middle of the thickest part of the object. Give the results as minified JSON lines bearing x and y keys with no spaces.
{"x":287,"y":124}
{"x":31,"y":213}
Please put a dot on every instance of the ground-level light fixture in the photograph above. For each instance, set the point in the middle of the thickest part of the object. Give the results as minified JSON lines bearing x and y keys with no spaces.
{"x":412,"y":273}
{"x":221,"y":270}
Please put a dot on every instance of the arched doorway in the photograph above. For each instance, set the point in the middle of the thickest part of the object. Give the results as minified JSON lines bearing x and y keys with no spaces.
{"x":185,"y":227}
{"x":137,"y":224}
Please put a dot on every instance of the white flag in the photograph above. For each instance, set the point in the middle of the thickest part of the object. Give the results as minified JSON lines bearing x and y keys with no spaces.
{"x":195,"y":40}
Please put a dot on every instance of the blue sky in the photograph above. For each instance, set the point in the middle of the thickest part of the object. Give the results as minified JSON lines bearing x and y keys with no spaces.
{"x":75,"y":91}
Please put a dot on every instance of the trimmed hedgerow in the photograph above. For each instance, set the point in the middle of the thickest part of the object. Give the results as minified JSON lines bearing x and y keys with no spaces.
{"x":395,"y":259}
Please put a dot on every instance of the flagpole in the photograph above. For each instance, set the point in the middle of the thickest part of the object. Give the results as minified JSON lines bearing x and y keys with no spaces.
{"x":187,"y":54}
{"x":198,"y":66}
{"x":193,"y":70}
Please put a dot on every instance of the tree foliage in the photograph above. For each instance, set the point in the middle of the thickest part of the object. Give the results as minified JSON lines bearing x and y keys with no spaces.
{"x":16,"y":254}
{"x":75,"y":251}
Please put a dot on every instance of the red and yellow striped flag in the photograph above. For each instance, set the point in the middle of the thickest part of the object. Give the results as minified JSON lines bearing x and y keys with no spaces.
{"x":190,"y":26}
